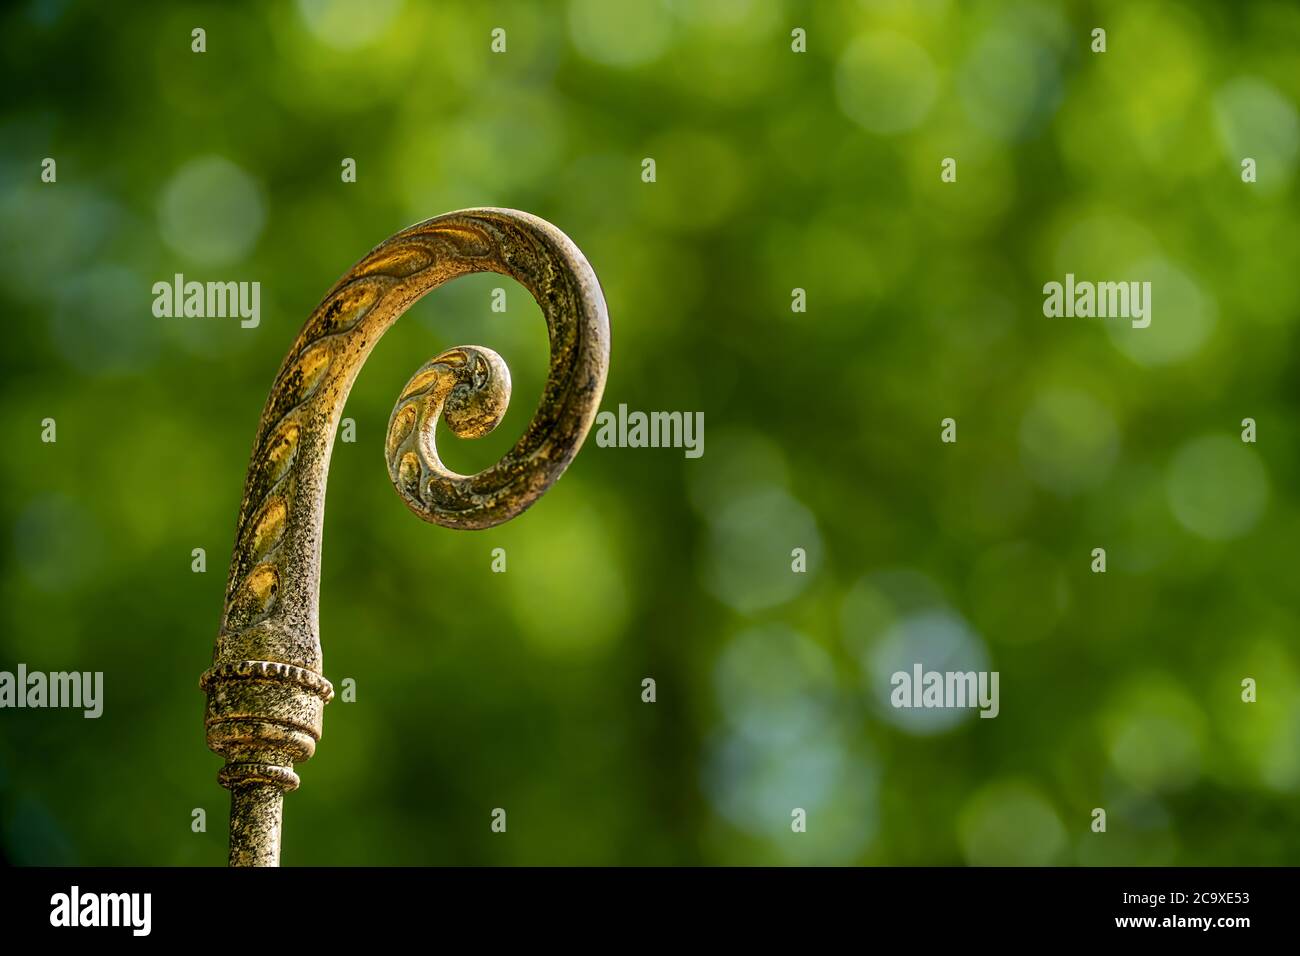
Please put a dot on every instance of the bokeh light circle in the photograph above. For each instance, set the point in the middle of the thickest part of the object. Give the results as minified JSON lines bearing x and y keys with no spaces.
{"x":211,"y":211}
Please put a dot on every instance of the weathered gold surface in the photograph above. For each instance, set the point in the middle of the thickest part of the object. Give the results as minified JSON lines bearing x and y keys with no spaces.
{"x":266,"y":692}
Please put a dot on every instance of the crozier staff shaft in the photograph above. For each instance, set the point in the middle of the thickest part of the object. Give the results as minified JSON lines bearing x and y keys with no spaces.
{"x":265,"y":690}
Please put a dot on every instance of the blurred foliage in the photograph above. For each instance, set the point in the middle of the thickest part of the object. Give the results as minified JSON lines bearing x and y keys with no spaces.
{"x":775,"y":170}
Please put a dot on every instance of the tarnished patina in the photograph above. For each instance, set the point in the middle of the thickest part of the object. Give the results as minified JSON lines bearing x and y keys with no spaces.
{"x":266,"y":690}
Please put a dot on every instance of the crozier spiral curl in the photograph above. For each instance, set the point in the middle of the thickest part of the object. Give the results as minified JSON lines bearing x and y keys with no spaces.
{"x":469,"y":387}
{"x":272,"y":590}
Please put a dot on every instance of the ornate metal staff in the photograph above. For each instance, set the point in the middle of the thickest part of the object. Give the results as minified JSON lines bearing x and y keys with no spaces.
{"x":266,"y":692}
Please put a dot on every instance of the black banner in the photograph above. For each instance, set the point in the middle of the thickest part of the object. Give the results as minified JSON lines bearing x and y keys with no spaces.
{"x":1149,"y":905}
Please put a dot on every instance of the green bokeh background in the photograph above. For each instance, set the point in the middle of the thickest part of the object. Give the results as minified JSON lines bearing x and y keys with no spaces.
{"x":775,"y":170}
